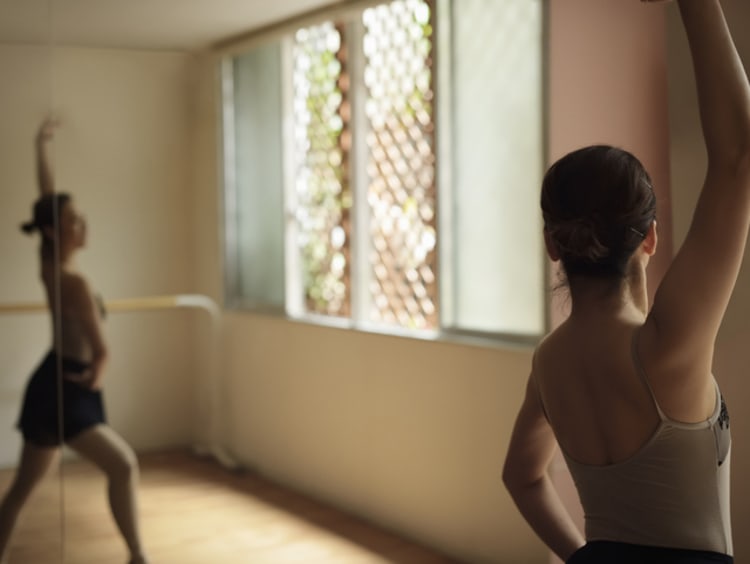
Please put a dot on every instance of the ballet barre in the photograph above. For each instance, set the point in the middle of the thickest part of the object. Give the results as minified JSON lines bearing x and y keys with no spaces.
{"x":213,"y":384}
{"x":130,"y":304}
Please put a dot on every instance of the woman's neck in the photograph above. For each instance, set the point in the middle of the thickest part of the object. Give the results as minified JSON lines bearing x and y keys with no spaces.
{"x":64,"y":259}
{"x":594,"y":298}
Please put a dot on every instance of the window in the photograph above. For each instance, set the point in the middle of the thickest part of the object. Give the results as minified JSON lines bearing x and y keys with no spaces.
{"x":382,"y":168}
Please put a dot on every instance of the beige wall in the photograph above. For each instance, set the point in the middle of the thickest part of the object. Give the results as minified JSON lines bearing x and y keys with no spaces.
{"x":688,"y":170}
{"x":409,"y":434}
{"x":122,"y":152}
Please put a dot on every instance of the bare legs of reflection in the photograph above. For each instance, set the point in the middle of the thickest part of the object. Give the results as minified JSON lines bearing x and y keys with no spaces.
{"x":34,"y":464}
{"x":109,"y":451}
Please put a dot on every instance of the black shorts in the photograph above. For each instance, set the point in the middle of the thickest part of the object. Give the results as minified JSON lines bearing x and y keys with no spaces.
{"x":82,"y":408}
{"x":609,"y":552}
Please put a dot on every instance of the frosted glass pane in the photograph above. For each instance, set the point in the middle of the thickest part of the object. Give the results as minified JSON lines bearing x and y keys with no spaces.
{"x":497,"y":143}
{"x":259,"y":175}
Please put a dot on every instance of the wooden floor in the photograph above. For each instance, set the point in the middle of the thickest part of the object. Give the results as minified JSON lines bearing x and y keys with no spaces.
{"x":195,"y":512}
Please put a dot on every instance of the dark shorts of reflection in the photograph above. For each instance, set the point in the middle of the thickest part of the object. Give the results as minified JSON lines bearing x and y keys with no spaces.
{"x":608,"y":552}
{"x":82,"y":408}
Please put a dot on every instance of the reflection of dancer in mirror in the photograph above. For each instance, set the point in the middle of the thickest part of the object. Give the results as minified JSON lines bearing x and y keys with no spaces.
{"x":625,"y":390}
{"x":80,"y":343}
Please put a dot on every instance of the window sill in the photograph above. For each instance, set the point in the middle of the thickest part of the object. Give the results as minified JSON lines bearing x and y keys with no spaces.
{"x":480,"y":339}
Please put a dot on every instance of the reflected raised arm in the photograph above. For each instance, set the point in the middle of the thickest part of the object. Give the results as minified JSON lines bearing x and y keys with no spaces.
{"x":42,"y":140}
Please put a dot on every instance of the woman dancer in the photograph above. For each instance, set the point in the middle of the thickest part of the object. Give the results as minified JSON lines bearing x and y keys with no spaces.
{"x":79,"y":353}
{"x":626,"y":390}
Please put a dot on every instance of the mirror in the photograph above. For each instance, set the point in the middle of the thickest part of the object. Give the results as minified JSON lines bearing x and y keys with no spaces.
{"x":122,"y":152}
{"x":29,"y":376}
{"x":129,"y":89}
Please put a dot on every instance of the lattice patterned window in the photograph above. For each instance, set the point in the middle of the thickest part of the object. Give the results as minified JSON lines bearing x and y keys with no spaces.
{"x":401,"y":193}
{"x":398,"y":175}
{"x":321,"y":150}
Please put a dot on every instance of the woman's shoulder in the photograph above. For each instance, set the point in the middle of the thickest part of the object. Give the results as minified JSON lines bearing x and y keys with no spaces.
{"x":549,"y":348}
{"x":73,"y":280}
{"x":74,"y":287}
{"x":553,"y":341}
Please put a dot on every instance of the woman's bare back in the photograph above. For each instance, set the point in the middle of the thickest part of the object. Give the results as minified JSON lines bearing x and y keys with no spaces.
{"x":595,"y":390}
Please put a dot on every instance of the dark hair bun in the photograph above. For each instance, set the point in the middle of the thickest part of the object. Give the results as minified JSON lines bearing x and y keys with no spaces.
{"x":45,"y":209}
{"x":29,"y":227}
{"x":578,"y":240}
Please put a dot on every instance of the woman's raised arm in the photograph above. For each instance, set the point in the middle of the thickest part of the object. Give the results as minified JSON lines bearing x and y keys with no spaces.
{"x":692,"y":299}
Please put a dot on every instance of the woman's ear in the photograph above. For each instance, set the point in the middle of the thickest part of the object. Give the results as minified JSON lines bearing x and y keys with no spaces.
{"x":651,"y":240}
{"x":552,"y":251}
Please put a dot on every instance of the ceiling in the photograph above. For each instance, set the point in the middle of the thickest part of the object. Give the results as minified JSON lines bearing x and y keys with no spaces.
{"x":184,"y":25}
{"x":141,"y":24}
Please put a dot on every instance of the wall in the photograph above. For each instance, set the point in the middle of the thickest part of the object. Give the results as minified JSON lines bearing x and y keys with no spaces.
{"x":122,"y":151}
{"x":607,"y":84}
{"x":688,"y":170}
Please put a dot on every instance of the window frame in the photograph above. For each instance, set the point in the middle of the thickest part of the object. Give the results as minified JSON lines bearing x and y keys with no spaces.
{"x":350,"y":16}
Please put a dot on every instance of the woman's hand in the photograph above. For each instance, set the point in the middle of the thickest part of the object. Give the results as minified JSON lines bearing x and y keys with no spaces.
{"x":86,"y":379}
{"x":47,"y":130}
